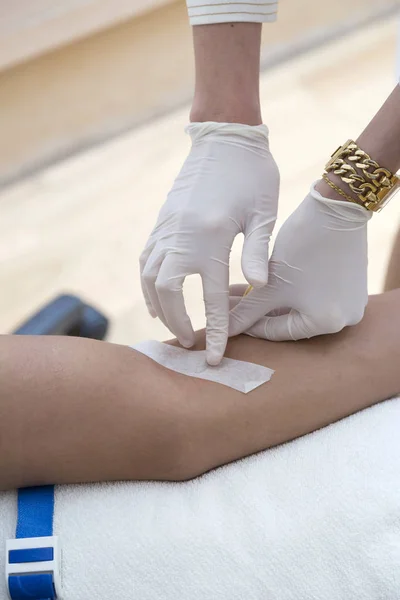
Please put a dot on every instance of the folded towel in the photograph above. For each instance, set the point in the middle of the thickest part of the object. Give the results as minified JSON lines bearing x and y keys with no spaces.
{"x":318,"y":518}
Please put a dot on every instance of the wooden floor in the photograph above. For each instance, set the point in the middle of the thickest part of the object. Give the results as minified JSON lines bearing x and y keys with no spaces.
{"x":79,"y":226}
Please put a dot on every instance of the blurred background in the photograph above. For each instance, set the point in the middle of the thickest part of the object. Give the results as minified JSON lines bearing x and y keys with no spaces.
{"x":94,"y":96}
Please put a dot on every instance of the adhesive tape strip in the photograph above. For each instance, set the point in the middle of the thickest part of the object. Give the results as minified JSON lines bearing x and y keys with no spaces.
{"x":236,"y":374}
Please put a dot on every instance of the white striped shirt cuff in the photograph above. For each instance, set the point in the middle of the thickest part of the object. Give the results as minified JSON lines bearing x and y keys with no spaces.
{"x":206,"y":12}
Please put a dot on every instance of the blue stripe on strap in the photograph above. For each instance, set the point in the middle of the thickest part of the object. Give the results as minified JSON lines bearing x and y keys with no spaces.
{"x":25,"y":555}
{"x":35,"y":520}
{"x":35,"y":511}
{"x":31,"y":587}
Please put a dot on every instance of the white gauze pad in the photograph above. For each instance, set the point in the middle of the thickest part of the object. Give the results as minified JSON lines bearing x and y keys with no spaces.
{"x":237,"y":374}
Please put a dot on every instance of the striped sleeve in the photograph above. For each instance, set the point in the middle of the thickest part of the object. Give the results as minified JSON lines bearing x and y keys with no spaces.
{"x":205,"y":12}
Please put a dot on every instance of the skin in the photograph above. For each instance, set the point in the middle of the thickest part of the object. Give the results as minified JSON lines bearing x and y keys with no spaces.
{"x":393,"y":273}
{"x":78,"y":410}
{"x":227,"y":66}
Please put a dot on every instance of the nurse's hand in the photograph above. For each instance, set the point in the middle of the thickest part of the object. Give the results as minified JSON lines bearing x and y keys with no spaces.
{"x":229,"y":184}
{"x":317,"y":277}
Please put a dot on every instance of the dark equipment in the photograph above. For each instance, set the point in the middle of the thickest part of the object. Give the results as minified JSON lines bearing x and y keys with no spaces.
{"x":66,"y":315}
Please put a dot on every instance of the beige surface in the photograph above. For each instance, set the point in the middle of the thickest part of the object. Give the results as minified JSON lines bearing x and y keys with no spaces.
{"x":30,"y":29}
{"x":80,"y":226}
{"x":71,"y":97}
{"x":80,"y":93}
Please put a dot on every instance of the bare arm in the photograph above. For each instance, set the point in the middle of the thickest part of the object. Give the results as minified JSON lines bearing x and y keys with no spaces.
{"x":227,"y":59}
{"x":75,"y":410}
{"x":392,"y":280}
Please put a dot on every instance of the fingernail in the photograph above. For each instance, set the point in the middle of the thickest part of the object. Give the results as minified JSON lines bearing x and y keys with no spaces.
{"x":234,"y":324}
{"x":186,"y":343}
{"x":258,"y":280}
{"x":213,"y":358}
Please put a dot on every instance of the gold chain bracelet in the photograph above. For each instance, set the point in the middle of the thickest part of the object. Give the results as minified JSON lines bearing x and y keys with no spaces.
{"x":363,"y":161}
{"x":356,"y":183}
{"x":338,"y":189}
{"x":372,"y":184}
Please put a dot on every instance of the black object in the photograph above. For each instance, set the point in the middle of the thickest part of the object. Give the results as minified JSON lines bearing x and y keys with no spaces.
{"x":66,"y":315}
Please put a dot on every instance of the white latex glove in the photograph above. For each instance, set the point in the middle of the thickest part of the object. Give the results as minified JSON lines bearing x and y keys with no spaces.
{"x":228,"y":184}
{"x":317,"y":277}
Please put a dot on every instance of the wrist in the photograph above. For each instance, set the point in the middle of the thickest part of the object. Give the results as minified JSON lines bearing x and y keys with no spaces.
{"x":381,"y":139}
{"x":227,"y":61}
{"x":329,"y":192}
{"x":226,"y":111}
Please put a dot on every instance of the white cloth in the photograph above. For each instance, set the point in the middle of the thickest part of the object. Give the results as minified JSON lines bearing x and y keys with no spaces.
{"x":316,"y":519}
{"x":205,"y":12}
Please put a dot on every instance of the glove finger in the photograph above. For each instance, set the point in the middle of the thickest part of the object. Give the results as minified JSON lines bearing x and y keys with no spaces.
{"x":169,"y":289}
{"x":147,"y":299}
{"x":255,"y":252}
{"x":238,"y":289}
{"x":251,"y":308}
{"x":143,"y":259}
{"x":216,"y":300}
{"x":236,"y":293}
{"x":289,"y":327}
{"x":148,"y":281}
{"x":234,"y":301}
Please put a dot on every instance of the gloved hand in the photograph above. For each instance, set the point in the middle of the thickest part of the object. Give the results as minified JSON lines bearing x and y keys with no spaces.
{"x":317,"y":277}
{"x":228,"y":184}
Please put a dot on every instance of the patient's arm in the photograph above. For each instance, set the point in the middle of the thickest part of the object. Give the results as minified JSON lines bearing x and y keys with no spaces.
{"x":393,"y":273}
{"x":75,"y":410}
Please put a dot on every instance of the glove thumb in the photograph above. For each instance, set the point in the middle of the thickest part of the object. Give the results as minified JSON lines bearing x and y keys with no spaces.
{"x":289,"y":327}
{"x":255,"y":253}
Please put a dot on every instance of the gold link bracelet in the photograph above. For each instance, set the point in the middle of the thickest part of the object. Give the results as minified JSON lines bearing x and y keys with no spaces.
{"x":372,"y":194}
{"x":338,"y":189}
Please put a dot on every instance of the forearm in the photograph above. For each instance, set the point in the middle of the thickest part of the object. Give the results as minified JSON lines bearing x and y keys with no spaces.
{"x":227,"y":61}
{"x":75,"y":410}
{"x":380,"y":139}
{"x":316,"y":382}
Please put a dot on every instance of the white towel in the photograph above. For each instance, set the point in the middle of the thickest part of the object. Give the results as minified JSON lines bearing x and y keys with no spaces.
{"x":318,"y":518}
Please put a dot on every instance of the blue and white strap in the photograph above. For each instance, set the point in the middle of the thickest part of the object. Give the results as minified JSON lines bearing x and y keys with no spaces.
{"x":33,"y":559}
